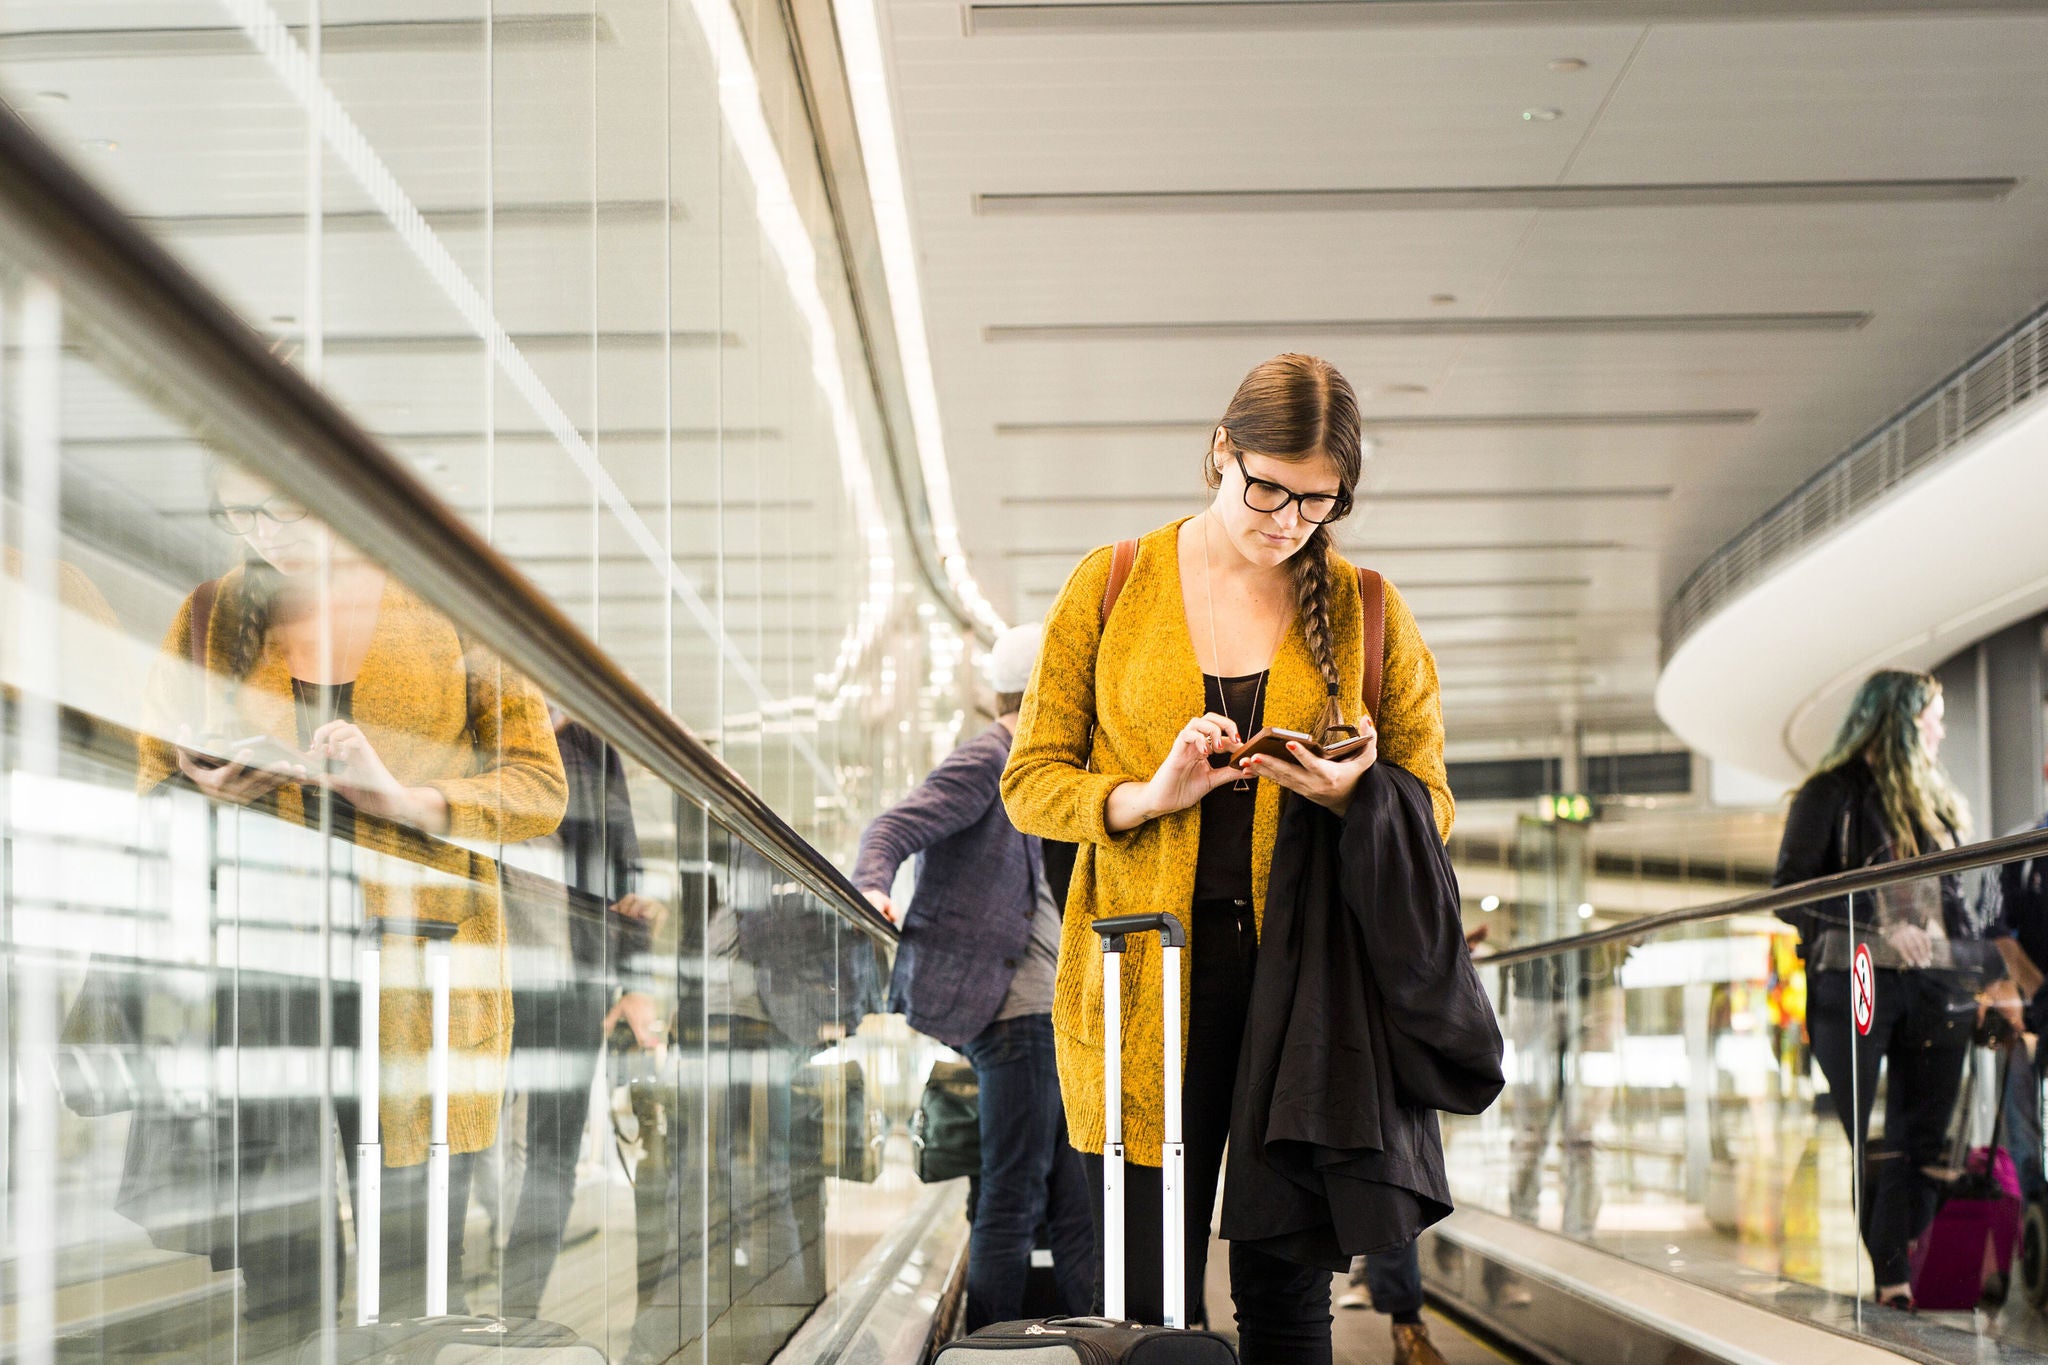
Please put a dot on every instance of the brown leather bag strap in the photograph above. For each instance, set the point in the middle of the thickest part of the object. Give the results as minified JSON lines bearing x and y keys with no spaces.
{"x":201,"y":626}
{"x":1120,"y":561}
{"x":1372,"y":620}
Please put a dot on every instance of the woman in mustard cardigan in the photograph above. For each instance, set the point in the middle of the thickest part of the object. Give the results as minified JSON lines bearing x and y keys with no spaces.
{"x":406,"y":729}
{"x":1239,"y":617}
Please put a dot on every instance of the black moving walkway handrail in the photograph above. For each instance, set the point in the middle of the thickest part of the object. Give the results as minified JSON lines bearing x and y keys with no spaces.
{"x":190,"y":348}
{"x":2009,"y":849}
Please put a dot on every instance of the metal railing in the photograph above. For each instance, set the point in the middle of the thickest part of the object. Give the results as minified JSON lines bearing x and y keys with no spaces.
{"x":1948,"y":862}
{"x":2011,"y":371}
{"x":182,"y":343}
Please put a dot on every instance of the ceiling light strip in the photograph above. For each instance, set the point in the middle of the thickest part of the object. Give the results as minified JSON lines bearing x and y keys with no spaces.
{"x":1273,"y":16}
{"x":1710,"y":417}
{"x":1361,"y":553}
{"x":781,"y":221}
{"x":271,"y":38}
{"x":1646,"y":493}
{"x":867,"y":76}
{"x":1452,"y":198}
{"x":1614,"y":325}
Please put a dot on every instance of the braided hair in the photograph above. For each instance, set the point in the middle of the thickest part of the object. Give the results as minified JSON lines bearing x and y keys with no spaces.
{"x":1295,"y":407}
{"x":249,"y":609}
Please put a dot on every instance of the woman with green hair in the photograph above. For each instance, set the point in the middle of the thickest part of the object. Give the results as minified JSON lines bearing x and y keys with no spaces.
{"x":1880,"y":794}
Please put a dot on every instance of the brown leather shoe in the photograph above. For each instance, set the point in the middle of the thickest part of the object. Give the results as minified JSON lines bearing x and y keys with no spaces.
{"x":1412,"y":1345}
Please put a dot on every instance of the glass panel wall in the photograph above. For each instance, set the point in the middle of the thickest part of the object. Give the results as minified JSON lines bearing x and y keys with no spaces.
{"x":1740,"y":1103}
{"x":576,"y":264}
{"x":248,"y":774}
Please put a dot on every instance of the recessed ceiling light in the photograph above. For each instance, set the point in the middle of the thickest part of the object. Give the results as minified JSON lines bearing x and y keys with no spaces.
{"x":1564,"y":65}
{"x":1542,"y":115}
{"x":101,"y":144}
{"x":53,"y":97}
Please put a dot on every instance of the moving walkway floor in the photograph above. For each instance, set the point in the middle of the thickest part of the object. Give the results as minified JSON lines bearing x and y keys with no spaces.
{"x":1362,"y":1337}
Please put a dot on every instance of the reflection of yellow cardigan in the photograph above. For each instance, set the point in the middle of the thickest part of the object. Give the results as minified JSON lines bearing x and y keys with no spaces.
{"x":1103,"y":709}
{"x":470,"y":728}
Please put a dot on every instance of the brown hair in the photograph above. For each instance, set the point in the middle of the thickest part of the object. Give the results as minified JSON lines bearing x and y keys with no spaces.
{"x":1295,"y":407}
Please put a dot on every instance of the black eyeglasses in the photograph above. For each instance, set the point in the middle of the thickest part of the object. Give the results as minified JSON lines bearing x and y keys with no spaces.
{"x":1262,"y":495}
{"x":240,"y":518}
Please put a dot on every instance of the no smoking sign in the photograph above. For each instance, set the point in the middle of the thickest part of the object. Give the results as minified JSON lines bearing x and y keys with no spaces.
{"x":1862,"y":988}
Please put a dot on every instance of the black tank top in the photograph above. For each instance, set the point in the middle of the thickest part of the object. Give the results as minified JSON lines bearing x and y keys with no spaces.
{"x":1223,"y":860}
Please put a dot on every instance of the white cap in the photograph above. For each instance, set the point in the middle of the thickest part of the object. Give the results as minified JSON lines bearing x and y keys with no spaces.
{"x":1011,"y":661}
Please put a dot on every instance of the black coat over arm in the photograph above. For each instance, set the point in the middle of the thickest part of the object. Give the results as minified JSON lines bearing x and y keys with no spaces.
{"x":1366,"y":1018}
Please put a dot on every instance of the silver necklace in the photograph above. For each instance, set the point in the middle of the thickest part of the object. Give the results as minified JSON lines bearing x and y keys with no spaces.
{"x":1216,"y":654}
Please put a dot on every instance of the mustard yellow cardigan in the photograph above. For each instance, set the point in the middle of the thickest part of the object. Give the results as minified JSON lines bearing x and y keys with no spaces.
{"x":1103,"y":708}
{"x":441,"y":715}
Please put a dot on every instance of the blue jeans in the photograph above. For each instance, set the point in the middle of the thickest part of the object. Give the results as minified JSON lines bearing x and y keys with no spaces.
{"x":2022,"y":1133}
{"x":1395,"y":1279}
{"x":1028,"y":1173}
{"x":560,"y":1032}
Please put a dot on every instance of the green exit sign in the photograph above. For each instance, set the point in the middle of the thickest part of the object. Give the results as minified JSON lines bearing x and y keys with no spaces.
{"x":1572,"y":808}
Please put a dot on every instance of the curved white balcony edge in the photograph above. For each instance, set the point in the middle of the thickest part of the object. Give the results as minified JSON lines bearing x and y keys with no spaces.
{"x":1950,"y":557}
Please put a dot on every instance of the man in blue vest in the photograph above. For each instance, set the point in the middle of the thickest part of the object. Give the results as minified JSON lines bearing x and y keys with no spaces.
{"x":975,"y":970}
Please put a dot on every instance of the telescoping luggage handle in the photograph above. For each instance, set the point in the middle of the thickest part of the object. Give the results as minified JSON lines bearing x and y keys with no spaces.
{"x":1173,"y":935}
{"x":370,"y":1147}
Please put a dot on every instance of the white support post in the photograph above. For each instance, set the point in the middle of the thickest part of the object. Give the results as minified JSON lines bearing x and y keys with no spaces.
{"x":370,"y":1141}
{"x":437,"y":1137}
{"x":1173,"y":1157}
{"x":1112,"y":1134}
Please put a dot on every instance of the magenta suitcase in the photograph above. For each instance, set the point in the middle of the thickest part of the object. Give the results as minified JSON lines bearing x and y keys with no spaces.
{"x":1970,"y":1242}
{"x":1967,"y":1248}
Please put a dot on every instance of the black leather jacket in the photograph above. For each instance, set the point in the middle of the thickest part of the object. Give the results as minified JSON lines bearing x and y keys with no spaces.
{"x":1837,"y":823}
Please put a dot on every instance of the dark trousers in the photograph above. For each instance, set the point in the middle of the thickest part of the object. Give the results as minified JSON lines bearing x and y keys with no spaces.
{"x":1920,"y":1028}
{"x":1028,"y":1173}
{"x":280,"y":1184}
{"x":281,"y":1236}
{"x":1394,"y":1279}
{"x":556,"y":1039}
{"x":1283,"y":1309}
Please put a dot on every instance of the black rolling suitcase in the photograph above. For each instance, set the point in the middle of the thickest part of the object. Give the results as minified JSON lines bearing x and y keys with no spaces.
{"x":1110,"y":1339}
{"x":440,"y":1338}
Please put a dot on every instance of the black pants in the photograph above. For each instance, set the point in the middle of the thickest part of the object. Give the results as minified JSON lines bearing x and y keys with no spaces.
{"x":1920,"y":1027}
{"x":280,"y":1232}
{"x":279,"y":1183}
{"x":1283,"y":1309}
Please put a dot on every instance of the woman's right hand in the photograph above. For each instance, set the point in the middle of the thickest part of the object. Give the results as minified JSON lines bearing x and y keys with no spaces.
{"x":1183,"y":779}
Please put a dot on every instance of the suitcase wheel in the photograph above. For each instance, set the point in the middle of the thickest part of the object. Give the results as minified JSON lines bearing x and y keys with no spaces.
{"x":2033,"y":1257}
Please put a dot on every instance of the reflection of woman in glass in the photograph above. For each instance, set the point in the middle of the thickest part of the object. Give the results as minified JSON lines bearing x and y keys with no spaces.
{"x":333,"y":697}
{"x":1879,"y":795}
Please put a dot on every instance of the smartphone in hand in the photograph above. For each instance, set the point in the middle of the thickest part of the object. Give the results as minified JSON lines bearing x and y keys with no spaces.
{"x":1272,"y":742}
{"x":265,"y":752}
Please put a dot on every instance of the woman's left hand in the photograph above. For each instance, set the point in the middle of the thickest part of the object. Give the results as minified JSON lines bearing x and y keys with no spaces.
{"x":1327,"y":782}
{"x":359,"y":775}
